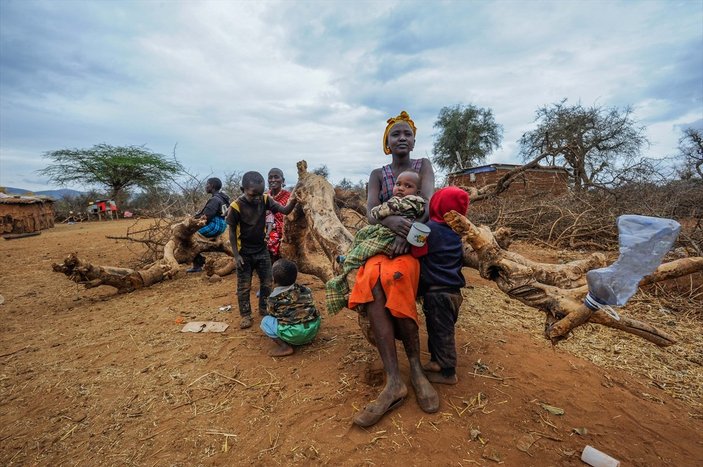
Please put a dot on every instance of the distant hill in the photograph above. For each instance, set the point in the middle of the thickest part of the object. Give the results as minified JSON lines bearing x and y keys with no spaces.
{"x":14,"y":191}
{"x":56,"y":194}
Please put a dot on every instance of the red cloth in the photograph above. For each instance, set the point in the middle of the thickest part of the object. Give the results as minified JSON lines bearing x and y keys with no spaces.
{"x":448,"y":199}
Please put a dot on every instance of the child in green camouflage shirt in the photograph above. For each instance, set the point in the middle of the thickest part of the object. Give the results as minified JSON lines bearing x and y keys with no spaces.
{"x":292,"y":316}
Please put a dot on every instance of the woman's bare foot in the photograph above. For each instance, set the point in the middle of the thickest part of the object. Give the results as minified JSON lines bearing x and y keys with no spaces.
{"x":432,"y":366}
{"x":436,"y":377}
{"x":282,"y":349}
{"x":427,"y":396}
{"x":391,"y":397}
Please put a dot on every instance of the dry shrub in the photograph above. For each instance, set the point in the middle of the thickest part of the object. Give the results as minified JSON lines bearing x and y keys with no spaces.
{"x":350,"y":199}
{"x":587,"y":220}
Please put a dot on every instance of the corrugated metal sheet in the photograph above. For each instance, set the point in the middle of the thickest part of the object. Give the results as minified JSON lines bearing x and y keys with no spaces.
{"x":18,"y":199}
{"x":506,"y":167}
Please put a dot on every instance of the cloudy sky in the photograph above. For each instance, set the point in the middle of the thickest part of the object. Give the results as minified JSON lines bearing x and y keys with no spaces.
{"x":239,"y":86}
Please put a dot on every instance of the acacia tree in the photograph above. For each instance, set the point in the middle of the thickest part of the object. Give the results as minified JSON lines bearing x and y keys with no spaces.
{"x":592,"y":143}
{"x":114,"y":167}
{"x":691,"y":149}
{"x":466,"y":135}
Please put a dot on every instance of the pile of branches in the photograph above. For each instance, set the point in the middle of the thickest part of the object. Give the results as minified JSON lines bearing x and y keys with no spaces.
{"x":568,"y":221}
{"x":350,"y":199}
{"x":151,"y":239}
{"x":586,"y":220}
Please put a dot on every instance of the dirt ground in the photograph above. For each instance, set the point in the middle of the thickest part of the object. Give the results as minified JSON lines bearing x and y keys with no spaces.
{"x":90,"y":377}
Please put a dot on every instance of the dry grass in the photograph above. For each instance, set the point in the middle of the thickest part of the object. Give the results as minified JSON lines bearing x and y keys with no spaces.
{"x":678,"y":370}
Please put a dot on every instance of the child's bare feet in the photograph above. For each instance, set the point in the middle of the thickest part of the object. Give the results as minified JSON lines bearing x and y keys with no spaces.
{"x":433,"y":372}
{"x":437,"y":377}
{"x":282,"y":349}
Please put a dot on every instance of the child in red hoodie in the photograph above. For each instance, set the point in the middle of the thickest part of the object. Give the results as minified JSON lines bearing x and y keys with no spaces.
{"x":441,"y":281}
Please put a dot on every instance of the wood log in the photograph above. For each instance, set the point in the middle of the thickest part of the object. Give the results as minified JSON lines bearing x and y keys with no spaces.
{"x":21,"y":235}
{"x":672,"y":270}
{"x":314,"y":236}
{"x":184,"y":245}
{"x":558,"y":290}
{"x":90,"y":275}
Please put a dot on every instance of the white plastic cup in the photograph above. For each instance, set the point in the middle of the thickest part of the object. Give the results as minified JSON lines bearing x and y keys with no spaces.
{"x":418,"y":234}
{"x":596,"y":458}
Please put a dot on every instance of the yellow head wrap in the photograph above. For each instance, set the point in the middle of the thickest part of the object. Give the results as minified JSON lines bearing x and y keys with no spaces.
{"x":403,"y":117}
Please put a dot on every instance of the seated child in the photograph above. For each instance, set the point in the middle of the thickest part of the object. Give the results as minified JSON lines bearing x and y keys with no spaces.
{"x":214,"y":215}
{"x":292,"y":317}
{"x":375,"y":239}
{"x":440,"y":285}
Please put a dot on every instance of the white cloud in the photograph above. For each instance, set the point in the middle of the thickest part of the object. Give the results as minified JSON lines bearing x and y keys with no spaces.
{"x":246,"y":86}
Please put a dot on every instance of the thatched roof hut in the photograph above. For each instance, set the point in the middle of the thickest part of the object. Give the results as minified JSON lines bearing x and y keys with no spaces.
{"x":25,"y":214}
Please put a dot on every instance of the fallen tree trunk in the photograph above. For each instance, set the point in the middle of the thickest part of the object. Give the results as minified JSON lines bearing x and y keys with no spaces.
{"x":558,"y":290}
{"x":183,"y":246}
{"x":314,"y":236}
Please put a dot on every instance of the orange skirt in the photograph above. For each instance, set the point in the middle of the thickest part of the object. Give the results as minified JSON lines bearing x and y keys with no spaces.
{"x":399,"y":277}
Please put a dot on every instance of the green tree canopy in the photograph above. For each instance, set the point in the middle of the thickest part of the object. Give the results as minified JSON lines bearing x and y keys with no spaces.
{"x":466,"y":136}
{"x":592,"y":143}
{"x":115,"y":167}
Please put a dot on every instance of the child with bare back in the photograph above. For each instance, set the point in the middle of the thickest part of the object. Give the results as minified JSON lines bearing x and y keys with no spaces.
{"x":376,"y":239}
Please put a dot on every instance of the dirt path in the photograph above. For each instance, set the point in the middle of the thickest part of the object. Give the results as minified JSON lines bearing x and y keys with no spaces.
{"x":89,"y":377}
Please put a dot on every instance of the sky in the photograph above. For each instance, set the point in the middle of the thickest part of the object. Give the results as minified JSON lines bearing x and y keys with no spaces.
{"x":248,"y":85}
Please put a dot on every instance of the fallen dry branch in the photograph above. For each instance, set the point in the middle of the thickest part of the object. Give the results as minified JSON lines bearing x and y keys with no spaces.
{"x":558,"y":290}
{"x":123,"y":279}
{"x":182,"y":247}
{"x":314,"y":237}
{"x":153,"y":238}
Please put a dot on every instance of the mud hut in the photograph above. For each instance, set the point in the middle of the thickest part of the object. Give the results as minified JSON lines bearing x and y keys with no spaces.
{"x":540,"y":180}
{"x":25,"y":214}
